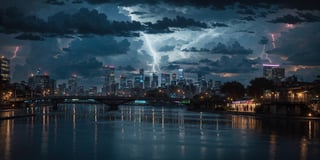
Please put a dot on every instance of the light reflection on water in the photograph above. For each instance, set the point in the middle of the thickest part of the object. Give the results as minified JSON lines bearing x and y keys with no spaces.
{"x":147,"y":132}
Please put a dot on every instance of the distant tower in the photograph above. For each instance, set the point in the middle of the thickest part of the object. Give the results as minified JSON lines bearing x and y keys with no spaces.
{"x":73,"y":85}
{"x":4,"y":70}
{"x":174,"y":79}
{"x":147,"y":82}
{"x":180,"y":74}
{"x":165,"y":79}
{"x":273,"y":72}
{"x":155,"y":81}
{"x":109,"y":80}
{"x":123,"y":82}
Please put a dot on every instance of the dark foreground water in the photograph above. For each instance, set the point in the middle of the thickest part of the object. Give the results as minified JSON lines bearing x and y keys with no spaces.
{"x":147,"y":132}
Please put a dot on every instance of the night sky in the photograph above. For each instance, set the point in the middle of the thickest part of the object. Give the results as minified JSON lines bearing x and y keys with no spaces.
{"x":225,"y":40}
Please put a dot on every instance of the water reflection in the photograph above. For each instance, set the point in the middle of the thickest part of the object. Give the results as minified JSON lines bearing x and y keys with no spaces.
{"x":147,"y":132}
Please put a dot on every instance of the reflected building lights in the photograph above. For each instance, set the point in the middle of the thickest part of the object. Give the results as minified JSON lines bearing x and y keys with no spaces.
{"x":45,"y":130}
{"x":304,"y":148}
{"x":273,"y":145}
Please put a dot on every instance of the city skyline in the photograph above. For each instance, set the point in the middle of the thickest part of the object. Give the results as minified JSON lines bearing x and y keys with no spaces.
{"x":224,"y":40}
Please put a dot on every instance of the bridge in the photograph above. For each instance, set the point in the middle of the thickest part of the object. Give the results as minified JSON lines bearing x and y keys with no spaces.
{"x":112,"y":101}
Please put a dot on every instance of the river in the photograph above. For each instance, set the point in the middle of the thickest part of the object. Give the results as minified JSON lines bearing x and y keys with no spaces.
{"x":84,"y":131}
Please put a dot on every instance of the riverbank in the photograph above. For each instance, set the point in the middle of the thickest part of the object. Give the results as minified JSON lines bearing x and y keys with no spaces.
{"x":258,"y":115}
{"x":12,"y":113}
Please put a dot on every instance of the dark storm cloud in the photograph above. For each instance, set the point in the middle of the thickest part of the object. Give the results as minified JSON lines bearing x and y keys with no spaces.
{"x":98,"y":46}
{"x":194,"y":49}
{"x":84,"y":21}
{"x":170,"y":67}
{"x":300,"y":45}
{"x":245,"y":31}
{"x":263,"y":40}
{"x":221,"y":4}
{"x":77,"y":1}
{"x":219,"y":24}
{"x":226,"y":64}
{"x":166,"y":48}
{"x":309,"y":17}
{"x":26,"y":36}
{"x":287,"y":19}
{"x":182,"y":62}
{"x":163,"y":26}
{"x":55,"y":2}
{"x":248,"y":18}
{"x":234,"y":48}
{"x":206,"y":61}
{"x":138,"y":13}
{"x":234,"y":64}
{"x":246,"y":12}
{"x":128,"y":68}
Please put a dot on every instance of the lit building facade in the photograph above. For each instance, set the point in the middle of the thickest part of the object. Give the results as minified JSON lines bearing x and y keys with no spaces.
{"x":273,"y":72}
{"x":155,"y":81}
{"x":41,"y":85}
{"x":147,"y":82}
{"x":109,"y":86}
{"x":4,"y":70}
{"x":165,"y":80}
{"x":123,"y":82}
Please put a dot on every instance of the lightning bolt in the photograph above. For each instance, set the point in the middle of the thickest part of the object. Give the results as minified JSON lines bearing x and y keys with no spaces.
{"x":265,"y":55}
{"x":273,"y":40}
{"x":17,"y":48}
{"x":153,"y":53}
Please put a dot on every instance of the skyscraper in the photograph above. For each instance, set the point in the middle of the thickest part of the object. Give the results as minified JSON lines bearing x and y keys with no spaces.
{"x":109,"y":85}
{"x":41,"y":85}
{"x":147,"y":82}
{"x":123,"y":82}
{"x":73,"y":85}
{"x":273,"y":72}
{"x":174,"y":79}
{"x":4,"y":70}
{"x":155,"y":81}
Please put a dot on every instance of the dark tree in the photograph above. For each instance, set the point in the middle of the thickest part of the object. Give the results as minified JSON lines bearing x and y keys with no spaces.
{"x":234,"y":90}
{"x":258,"y":86}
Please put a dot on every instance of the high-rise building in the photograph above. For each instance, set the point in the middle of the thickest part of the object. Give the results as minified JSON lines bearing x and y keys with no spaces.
{"x":278,"y":73}
{"x":174,"y":79}
{"x":41,"y":85}
{"x":123,"y":82}
{"x":4,"y":70}
{"x":147,"y":82}
{"x":109,"y":86}
{"x":141,"y":74}
{"x":73,"y":85}
{"x":129,"y":83}
{"x":155,"y":81}
{"x":165,"y":79}
{"x":273,"y":72}
{"x":180,"y":74}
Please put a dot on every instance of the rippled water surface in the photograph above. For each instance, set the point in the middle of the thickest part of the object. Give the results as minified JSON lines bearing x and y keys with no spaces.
{"x":149,"y":132}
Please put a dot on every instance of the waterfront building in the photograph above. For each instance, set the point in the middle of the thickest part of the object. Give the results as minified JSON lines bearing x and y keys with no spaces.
{"x":273,"y":72}
{"x":123,"y":81}
{"x":174,"y":79}
{"x":165,"y":80}
{"x":147,"y":82}
{"x":109,"y":85}
{"x":73,"y":85}
{"x":4,"y":70}
{"x":155,"y":81}
{"x":41,"y":85}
